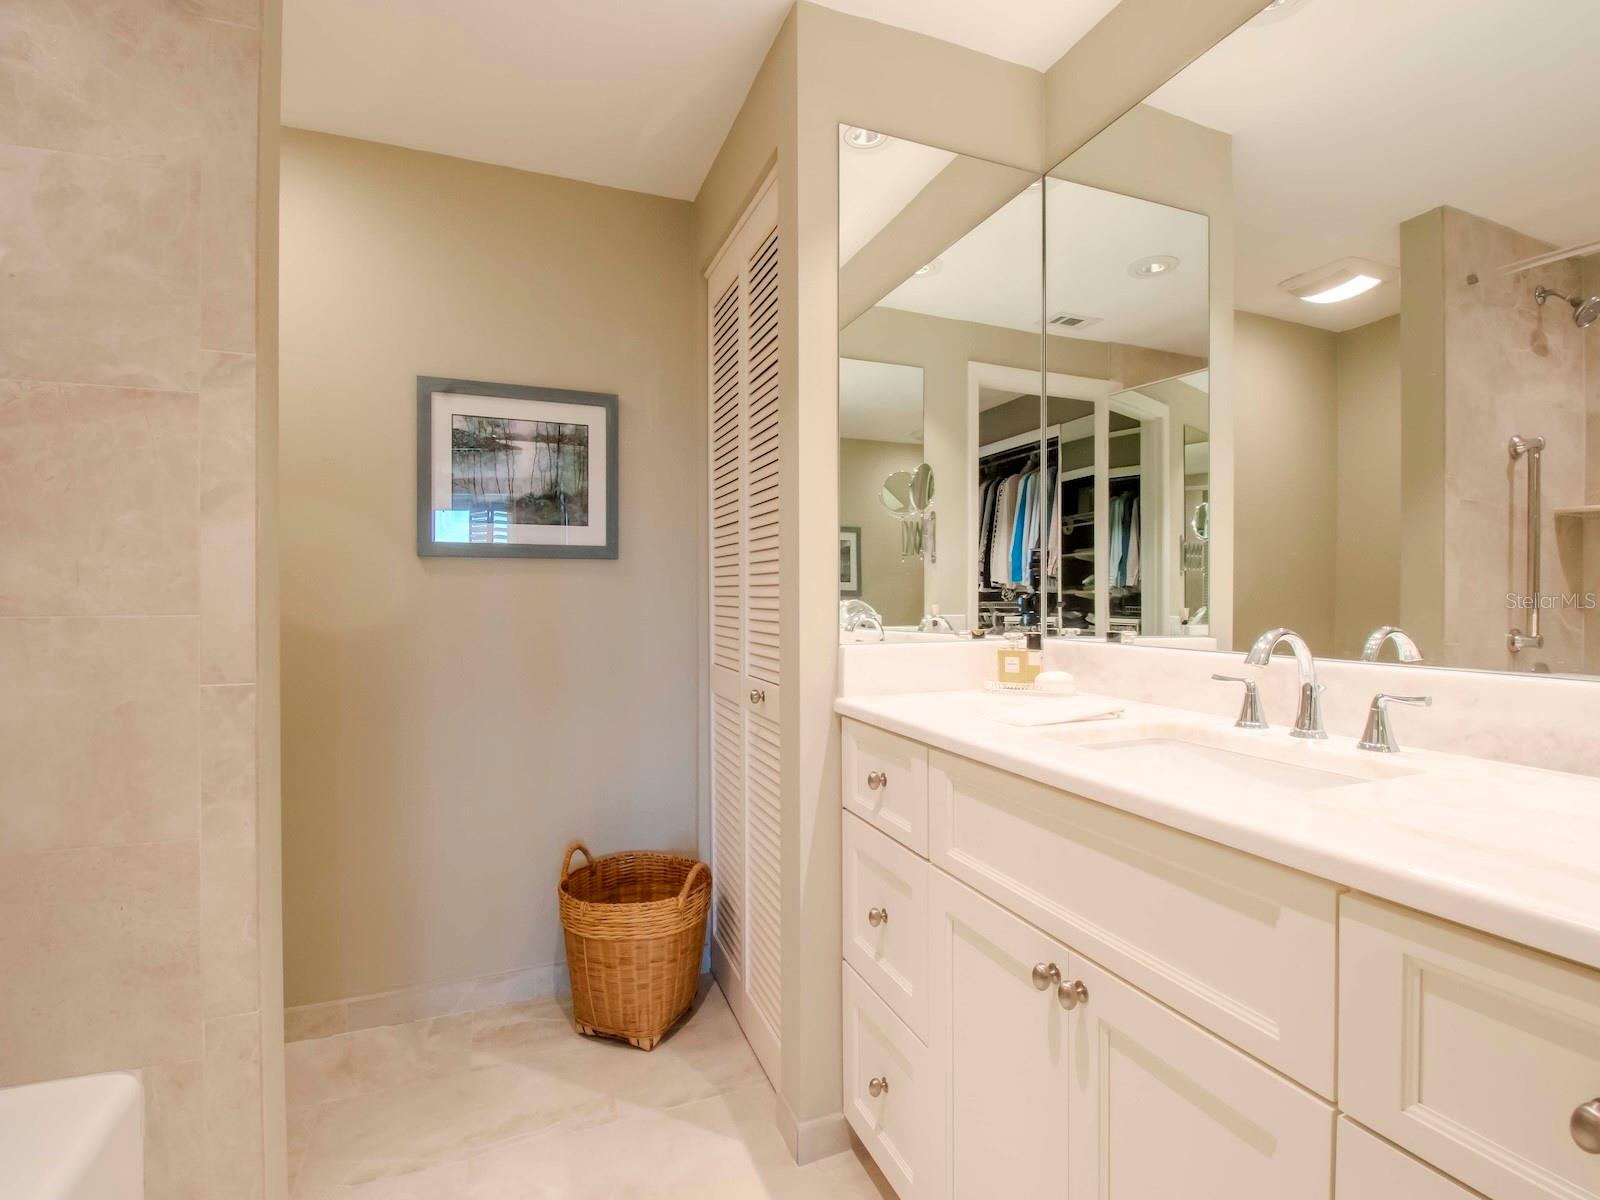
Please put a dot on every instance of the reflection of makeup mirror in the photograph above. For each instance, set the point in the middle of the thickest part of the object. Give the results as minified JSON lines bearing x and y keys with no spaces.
{"x":896,"y":494}
{"x":1200,"y":520}
{"x":922,"y":488}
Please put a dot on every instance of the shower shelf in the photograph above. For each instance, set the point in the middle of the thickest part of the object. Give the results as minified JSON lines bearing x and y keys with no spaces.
{"x":1581,"y":510}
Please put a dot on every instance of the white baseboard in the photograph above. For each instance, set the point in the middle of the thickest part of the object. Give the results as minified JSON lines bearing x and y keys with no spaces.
{"x":430,"y":1000}
{"x":819,"y":1137}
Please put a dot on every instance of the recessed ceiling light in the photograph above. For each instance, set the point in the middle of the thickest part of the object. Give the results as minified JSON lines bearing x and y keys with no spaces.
{"x":1152,"y":265}
{"x":858,"y":138}
{"x":929,"y":268}
{"x":1342,"y":280}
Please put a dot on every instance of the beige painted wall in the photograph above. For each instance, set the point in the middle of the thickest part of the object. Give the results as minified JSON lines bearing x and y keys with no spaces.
{"x":451,"y":723}
{"x":132,"y":837}
{"x":892,"y":583}
{"x":1285,"y":479}
{"x":1367,"y":536}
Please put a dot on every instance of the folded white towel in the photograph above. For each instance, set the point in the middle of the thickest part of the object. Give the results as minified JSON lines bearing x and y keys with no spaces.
{"x":1034,"y":709}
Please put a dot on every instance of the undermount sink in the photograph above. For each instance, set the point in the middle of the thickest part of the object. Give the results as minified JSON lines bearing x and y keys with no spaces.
{"x":1236,"y":758}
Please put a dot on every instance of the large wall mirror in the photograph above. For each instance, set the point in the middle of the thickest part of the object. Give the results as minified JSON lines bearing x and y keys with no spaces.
{"x":940,"y":261}
{"x":1403,"y":365}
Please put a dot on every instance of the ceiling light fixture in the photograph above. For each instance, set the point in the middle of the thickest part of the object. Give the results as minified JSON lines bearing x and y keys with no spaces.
{"x":928,"y":268}
{"x":1152,"y":265}
{"x":1338,"y":281}
{"x":858,"y":138}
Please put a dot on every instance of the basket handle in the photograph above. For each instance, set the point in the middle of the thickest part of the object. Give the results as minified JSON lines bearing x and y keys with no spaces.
{"x":566,"y":861}
{"x":683,"y":893}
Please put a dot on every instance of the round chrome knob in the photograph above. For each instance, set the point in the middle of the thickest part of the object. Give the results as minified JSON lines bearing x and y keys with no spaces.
{"x":1586,"y":1126}
{"x":1070,"y":995}
{"x":877,"y":1086}
{"x":757,"y":696}
{"x":878,"y":779}
{"x":877,"y":916}
{"x":1046,"y":976}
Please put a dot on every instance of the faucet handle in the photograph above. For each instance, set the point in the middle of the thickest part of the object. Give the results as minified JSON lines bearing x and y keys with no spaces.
{"x":1250,"y":713}
{"x":1379,"y":733}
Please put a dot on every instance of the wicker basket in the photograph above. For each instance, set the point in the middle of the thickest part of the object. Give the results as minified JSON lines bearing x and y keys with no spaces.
{"x":635,"y":926}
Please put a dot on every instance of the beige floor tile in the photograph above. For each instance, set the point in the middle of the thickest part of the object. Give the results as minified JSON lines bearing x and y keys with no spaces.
{"x":511,"y":1104}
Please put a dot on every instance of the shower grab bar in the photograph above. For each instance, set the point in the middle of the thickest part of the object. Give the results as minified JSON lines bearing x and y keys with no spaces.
{"x":1532,"y":449}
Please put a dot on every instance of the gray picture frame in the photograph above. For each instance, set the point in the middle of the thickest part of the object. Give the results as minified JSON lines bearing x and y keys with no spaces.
{"x":850,"y":539}
{"x":430,"y":385}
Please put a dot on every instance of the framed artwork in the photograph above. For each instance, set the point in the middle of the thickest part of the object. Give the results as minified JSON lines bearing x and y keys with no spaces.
{"x":849,"y":561}
{"x":505,"y":471}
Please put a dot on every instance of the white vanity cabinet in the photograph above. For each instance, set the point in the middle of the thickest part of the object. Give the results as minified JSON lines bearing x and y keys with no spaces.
{"x":1078,"y":1002}
{"x":1469,"y":1052}
{"x":1005,"y":1043}
{"x":1162,"y":1108}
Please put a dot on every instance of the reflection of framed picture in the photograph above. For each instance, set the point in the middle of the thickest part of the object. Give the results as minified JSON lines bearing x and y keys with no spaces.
{"x":850,"y":561}
{"x":515,"y":472}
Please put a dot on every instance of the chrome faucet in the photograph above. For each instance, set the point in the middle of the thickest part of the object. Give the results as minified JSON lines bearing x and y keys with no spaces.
{"x":855,"y":615}
{"x":1379,"y":733}
{"x":935,"y":622}
{"x":1308,"y":717}
{"x":1405,"y":649}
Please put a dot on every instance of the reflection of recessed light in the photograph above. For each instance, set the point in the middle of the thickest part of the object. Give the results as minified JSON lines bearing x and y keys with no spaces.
{"x":928,"y":268}
{"x":1342,"y":280}
{"x":1153,"y":265}
{"x":1277,"y":11}
{"x":861,"y":139}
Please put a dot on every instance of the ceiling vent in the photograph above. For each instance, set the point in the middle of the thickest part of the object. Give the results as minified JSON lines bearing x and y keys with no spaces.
{"x":1066,"y":320}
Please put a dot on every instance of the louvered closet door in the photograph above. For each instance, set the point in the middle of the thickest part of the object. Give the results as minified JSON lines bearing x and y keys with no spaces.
{"x":745,"y":504}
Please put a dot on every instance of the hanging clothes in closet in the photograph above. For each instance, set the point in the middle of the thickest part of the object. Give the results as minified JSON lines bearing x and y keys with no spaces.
{"x":1124,"y":531}
{"x":1016,"y":509}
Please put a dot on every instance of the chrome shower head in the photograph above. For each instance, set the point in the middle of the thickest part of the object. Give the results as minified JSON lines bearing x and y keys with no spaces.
{"x":1584,"y":312}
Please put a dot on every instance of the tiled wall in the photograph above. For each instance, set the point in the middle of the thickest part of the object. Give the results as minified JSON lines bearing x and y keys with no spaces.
{"x":129,"y":931}
{"x":1510,"y":367}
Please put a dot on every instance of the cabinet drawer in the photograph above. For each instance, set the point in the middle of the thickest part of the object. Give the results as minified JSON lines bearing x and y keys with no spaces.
{"x":894,"y":1125}
{"x":885,"y":782}
{"x":1468,"y":1051}
{"x":1369,"y":1168}
{"x":886,"y":920}
{"x":1161,"y":1108}
{"x":1246,"y":947}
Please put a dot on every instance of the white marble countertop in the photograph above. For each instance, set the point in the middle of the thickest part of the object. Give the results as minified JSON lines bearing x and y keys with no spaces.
{"x":1513,"y":851}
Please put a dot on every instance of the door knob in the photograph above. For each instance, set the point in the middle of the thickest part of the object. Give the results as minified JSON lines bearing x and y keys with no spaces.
{"x":1586,"y":1126}
{"x":757,"y":696}
{"x":1070,"y":995}
{"x":878,"y":779}
{"x":1046,"y":976}
{"x":877,"y":916}
{"x":877,"y":1086}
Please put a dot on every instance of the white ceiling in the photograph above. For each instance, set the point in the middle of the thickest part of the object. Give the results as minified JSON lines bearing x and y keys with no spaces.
{"x":1351,"y":116}
{"x":876,"y":183}
{"x":635,"y":94}
{"x":880,"y":402}
{"x":991,"y":276}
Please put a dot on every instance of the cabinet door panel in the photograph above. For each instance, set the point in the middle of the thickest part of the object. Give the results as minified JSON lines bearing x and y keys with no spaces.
{"x":884,"y":781}
{"x":1161,"y":1108}
{"x":886,"y":920}
{"x":1003,"y":1049}
{"x":1470,"y":1052}
{"x":891,"y":1092}
{"x":1369,"y":1168}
